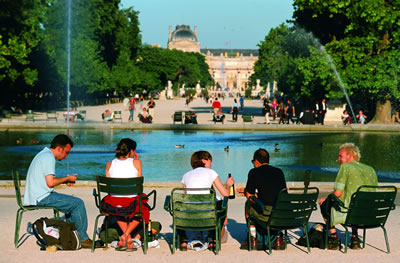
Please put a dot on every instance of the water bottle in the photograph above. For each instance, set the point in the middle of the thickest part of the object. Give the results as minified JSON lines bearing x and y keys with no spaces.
{"x":149,"y":232}
{"x":231,"y":189}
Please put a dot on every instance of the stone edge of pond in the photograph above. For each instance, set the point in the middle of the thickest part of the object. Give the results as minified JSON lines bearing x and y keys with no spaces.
{"x":205,"y":127}
{"x":159,"y":184}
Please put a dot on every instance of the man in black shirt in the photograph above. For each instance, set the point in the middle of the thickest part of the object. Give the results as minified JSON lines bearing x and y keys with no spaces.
{"x":265,"y":182}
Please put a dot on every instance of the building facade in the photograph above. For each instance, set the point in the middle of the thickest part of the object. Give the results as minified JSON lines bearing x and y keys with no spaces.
{"x":230,"y":69}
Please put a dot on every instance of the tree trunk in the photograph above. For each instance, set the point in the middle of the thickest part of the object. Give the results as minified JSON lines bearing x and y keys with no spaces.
{"x":383,"y":113}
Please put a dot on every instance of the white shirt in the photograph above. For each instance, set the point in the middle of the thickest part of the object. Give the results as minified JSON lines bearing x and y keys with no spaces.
{"x":199,"y":178}
{"x":123,"y":169}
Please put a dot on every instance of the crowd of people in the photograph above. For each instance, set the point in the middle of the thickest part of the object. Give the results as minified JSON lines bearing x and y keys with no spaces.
{"x":296,"y":112}
{"x":264,"y":182}
{"x":145,"y":115}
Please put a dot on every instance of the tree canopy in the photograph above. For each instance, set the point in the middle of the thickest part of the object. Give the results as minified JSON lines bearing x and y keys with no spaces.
{"x":363,"y":39}
{"x":293,"y":58}
{"x":107,"y":56}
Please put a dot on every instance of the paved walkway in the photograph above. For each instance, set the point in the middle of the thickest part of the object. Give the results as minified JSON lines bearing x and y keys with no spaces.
{"x":28,"y":251}
{"x":165,"y":109}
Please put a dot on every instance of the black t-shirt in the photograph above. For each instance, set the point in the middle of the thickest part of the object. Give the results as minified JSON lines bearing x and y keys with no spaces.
{"x":151,"y":104}
{"x":268,"y":181}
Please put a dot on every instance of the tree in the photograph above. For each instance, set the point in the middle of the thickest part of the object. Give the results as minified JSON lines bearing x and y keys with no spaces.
{"x":292,"y":57}
{"x":362,"y":38}
{"x":20,"y":33}
{"x":165,"y":65}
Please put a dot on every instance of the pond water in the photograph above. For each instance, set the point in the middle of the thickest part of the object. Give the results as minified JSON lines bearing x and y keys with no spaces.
{"x":162,"y":161}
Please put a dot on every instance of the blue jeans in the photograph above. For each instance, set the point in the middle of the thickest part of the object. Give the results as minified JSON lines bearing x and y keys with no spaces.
{"x":131,"y":112}
{"x":73,"y":208}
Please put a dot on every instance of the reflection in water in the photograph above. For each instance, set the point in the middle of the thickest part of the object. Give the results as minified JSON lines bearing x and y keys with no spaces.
{"x":162,"y":161}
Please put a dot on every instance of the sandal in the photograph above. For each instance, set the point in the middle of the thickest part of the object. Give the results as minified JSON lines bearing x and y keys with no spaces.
{"x":122,"y":245}
{"x":211,"y":245}
{"x":130,"y":245}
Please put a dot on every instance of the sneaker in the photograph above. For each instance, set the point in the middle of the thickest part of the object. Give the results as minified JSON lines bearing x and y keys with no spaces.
{"x":355,"y":242}
{"x":87,"y":243}
{"x":334,"y":243}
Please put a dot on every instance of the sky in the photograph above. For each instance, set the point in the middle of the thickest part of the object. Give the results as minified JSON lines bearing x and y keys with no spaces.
{"x":236,"y":24}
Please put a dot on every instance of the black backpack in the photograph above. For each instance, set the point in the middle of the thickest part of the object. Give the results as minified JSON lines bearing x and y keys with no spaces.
{"x":68,"y":235}
{"x":316,"y":236}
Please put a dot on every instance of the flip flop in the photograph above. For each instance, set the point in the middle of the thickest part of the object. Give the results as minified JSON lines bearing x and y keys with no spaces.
{"x":119,"y":248}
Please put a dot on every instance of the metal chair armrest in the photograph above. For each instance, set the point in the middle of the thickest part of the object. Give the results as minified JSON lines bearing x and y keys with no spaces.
{"x":259,"y":203}
{"x":167,"y":204}
{"x":96,"y":197}
{"x":337,"y":204}
{"x":153,"y":192}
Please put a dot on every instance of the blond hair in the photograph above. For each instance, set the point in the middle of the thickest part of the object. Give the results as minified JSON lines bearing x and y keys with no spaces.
{"x":352,"y":149}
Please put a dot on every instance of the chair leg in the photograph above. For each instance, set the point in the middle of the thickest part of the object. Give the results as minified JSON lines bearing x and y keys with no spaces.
{"x":173,"y":239}
{"x":346,"y":239}
{"x":327,"y":231}
{"x":217,"y":240}
{"x":308,"y":241}
{"x":94,"y":231}
{"x":248,"y":236}
{"x":56,"y":214}
{"x":17,"y":226}
{"x":364,"y":236}
{"x":144,"y":237}
{"x":285,"y":239}
{"x":269,"y":241}
{"x":386,"y":239}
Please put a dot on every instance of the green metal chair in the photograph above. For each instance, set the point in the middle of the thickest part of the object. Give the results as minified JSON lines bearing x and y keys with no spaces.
{"x":247,"y":118}
{"x":52,"y":115}
{"x":194,"y":210}
{"x":121,"y":186}
{"x":292,"y":210}
{"x":369,"y":208}
{"x":177,"y":117}
{"x":30,"y":116}
{"x":117,"y":115}
{"x":22,"y":208}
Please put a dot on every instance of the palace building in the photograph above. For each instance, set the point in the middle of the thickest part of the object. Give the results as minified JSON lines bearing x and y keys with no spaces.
{"x":230,"y":68}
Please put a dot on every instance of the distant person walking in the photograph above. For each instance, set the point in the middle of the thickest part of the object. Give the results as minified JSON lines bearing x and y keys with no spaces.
{"x":323,"y":110}
{"x":241,"y":100}
{"x":267,"y":110}
{"x":235,"y":110}
{"x":131,"y":109}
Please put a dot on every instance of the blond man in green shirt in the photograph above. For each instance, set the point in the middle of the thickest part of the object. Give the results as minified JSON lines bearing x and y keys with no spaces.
{"x":352,"y":174}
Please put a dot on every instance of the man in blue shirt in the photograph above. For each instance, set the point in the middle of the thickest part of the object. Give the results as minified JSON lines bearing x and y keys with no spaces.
{"x":40,"y":182}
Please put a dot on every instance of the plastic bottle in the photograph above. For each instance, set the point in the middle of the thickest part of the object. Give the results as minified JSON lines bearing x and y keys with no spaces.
{"x":231,"y":189}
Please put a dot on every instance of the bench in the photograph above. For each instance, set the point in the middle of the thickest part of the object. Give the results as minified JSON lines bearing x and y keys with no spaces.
{"x":29,"y":116}
{"x":51,"y":115}
{"x":7,"y":115}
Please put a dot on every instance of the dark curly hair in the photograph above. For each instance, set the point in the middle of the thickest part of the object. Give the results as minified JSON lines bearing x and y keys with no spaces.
{"x":124,"y":147}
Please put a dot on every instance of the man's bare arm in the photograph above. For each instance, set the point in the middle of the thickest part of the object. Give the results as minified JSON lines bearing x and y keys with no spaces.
{"x":52,"y":181}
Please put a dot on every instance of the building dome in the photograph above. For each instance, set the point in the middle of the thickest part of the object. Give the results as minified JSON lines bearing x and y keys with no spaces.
{"x":183,"y":33}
